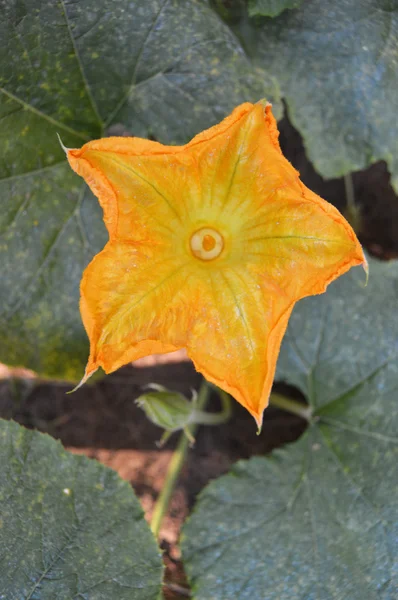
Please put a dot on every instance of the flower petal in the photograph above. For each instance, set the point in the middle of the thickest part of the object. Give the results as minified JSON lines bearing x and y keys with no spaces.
{"x":303,"y":244}
{"x":133,"y":304}
{"x":144,"y":196}
{"x":241,"y":166}
{"x":236,"y":345}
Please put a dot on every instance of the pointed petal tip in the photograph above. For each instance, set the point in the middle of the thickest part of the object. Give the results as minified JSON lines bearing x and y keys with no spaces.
{"x":259,"y":422}
{"x":365,"y":266}
{"x":64,"y":148}
{"x":82,"y":382}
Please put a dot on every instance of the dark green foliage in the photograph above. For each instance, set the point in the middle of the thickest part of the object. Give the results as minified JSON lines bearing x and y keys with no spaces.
{"x":70,"y":528}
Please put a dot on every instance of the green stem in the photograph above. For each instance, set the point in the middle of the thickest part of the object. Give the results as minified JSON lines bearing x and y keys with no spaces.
{"x":206,"y":418}
{"x":349,"y":193}
{"x":175,"y":466}
{"x":353,"y":211}
{"x":297,"y":408}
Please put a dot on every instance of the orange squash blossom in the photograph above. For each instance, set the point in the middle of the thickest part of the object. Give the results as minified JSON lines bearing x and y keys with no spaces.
{"x":210,"y":246}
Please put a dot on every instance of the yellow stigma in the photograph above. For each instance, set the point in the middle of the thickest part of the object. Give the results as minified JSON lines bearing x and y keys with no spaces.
{"x":207,"y":243}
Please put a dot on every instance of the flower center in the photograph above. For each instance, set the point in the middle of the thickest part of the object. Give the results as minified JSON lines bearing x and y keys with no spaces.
{"x":206,"y":243}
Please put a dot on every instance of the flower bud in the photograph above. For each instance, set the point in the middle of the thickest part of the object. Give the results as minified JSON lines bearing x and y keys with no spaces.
{"x":169,"y":410}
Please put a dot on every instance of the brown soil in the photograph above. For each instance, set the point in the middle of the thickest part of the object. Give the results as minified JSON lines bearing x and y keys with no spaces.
{"x":103,"y":422}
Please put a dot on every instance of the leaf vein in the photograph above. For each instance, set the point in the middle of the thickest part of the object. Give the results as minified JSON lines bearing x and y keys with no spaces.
{"x":79,"y":62}
{"x":42,"y":115}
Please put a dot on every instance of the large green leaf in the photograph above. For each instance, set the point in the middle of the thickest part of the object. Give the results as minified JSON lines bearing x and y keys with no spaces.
{"x":161,"y":68}
{"x":271,"y":8}
{"x":70,"y":528}
{"x":319,"y":519}
{"x":337,"y":66}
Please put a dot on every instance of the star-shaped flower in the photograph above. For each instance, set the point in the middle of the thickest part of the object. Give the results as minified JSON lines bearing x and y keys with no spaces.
{"x":210,"y":246}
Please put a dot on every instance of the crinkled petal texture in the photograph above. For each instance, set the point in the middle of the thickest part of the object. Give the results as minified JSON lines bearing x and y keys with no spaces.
{"x":210,"y":245}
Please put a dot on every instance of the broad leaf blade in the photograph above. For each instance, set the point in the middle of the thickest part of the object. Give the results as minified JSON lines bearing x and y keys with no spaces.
{"x":336,"y":64}
{"x":70,"y":527}
{"x":319,"y":519}
{"x":271,"y":8}
{"x":304,"y":525}
{"x":48,"y":235}
{"x":42,"y":88}
{"x":167,"y":69}
{"x":336,"y":342}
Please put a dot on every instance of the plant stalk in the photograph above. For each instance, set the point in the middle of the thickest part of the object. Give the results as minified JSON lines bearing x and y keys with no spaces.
{"x":349,"y":193}
{"x":175,"y":465}
{"x":296,"y":408}
{"x":205,"y":418}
